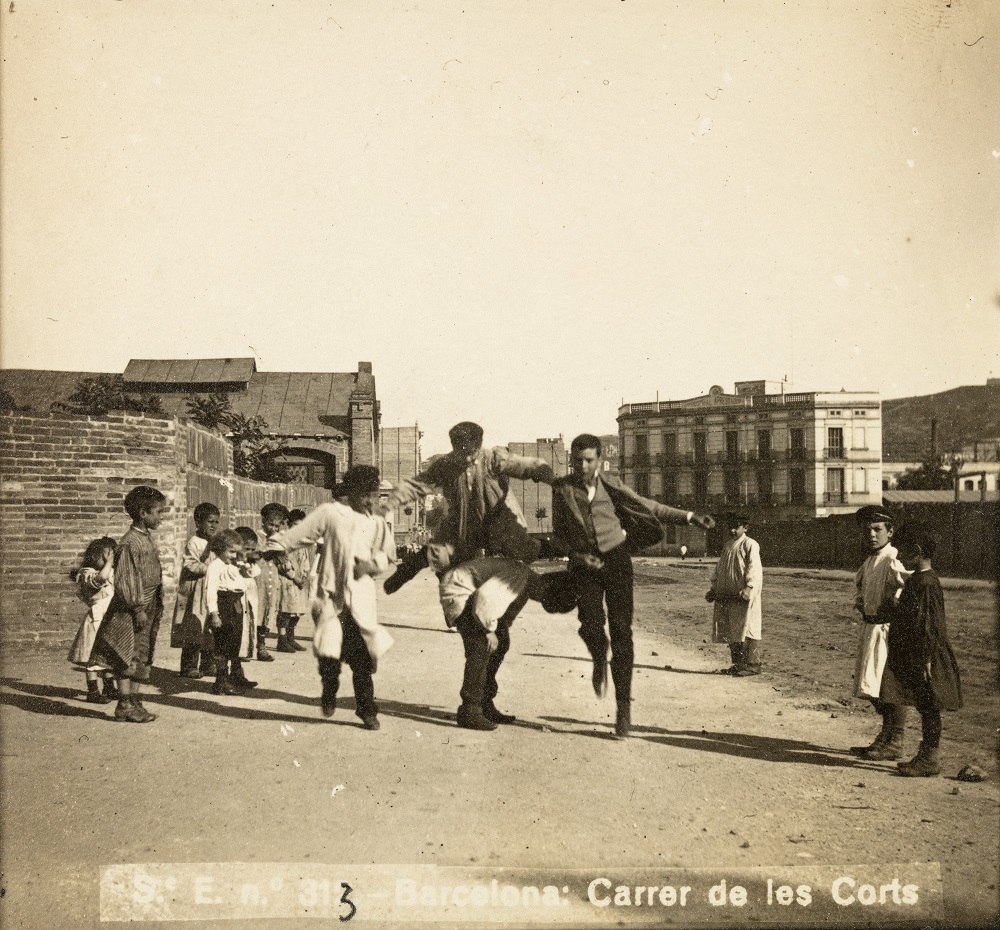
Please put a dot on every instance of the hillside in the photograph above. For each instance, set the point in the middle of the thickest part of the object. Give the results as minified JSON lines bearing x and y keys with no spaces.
{"x":963,"y":415}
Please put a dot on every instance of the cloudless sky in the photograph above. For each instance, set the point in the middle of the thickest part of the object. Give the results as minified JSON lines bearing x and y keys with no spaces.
{"x":519,"y":212}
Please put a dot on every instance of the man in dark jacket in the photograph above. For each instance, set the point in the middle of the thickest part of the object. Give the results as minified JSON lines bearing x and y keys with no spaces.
{"x":599,"y":523}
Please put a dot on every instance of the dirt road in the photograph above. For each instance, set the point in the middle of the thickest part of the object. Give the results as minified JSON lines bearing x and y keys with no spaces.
{"x":723,"y":778}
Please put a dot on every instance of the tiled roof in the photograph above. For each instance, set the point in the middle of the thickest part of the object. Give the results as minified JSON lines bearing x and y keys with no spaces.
{"x":142,"y":371}
{"x":307,"y":403}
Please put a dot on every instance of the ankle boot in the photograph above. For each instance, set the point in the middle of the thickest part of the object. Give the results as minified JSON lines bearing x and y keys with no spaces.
{"x":283,"y":644}
{"x":189,"y":662}
{"x":876,"y":744}
{"x":491,"y":713}
{"x":111,"y":691}
{"x":290,"y":636}
{"x":623,"y":720}
{"x":238,"y":677}
{"x":923,"y":765}
{"x":222,"y":683}
{"x":262,"y":654}
{"x":892,"y":747}
{"x":474,"y":719}
{"x":130,"y":710}
{"x":207,"y":664}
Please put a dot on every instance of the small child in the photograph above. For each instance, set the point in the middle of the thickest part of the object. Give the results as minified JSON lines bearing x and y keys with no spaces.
{"x":356,"y":545}
{"x":921,"y":670}
{"x":735,"y":591}
{"x":878,"y":585}
{"x":251,"y":569}
{"x":188,"y":629}
{"x":225,"y":587}
{"x":274,"y":519}
{"x":126,"y":638}
{"x":95,"y":580}
{"x":294,"y":570}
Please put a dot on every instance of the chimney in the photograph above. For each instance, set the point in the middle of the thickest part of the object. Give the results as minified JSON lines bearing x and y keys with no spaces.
{"x":364,"y":368}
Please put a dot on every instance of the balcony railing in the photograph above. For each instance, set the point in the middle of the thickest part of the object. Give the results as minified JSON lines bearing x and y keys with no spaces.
{"x":835,"y":452}
{"x":835,"y":497}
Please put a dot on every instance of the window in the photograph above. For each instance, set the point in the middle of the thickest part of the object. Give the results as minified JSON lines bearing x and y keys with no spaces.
{"x":642,"y":483}
{"x":670,"y":447}
{"x":970,"y":486}
{"x":835,"y":485}
{"x":797,"y":440}
{"x":670,"y":489}
{"x":699,"y":421}
{"x":835,"y":413}
{"x":797,"y":486}
{"x":765,"y":485}
{"x":642,"y":449}
{"x":861,"y":413}
{"x":834,"y":442}
{"x":700,"y":447}
{"x":764,"y":444}
{"x":732,"y":487}
{"x":700,"y":487}
{"x":732,"y":445}
{"x":859,"y":438}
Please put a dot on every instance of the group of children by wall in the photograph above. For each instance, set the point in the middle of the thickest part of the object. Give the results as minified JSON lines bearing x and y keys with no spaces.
{"x":229,"y":591}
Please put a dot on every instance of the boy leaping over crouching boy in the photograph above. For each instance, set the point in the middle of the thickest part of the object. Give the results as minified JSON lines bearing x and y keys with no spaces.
{"x":356,"y":545}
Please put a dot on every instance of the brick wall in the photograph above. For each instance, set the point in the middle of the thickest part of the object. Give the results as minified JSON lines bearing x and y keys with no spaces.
{"x":63,"y":480}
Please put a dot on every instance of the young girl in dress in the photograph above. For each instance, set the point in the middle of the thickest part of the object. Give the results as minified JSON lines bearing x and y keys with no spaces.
{"x":95,"y":583}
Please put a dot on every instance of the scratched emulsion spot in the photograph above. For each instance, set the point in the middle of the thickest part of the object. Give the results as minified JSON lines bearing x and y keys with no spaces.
{"x":841,"y":280}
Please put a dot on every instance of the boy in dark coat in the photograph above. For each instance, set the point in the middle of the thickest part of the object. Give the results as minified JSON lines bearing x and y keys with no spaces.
{"x":921,"y":670}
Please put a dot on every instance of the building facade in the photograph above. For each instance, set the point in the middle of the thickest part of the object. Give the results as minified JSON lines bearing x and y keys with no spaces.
{"x":398,"y":459}
{"x":779,"y":456}
{"x":535,"y":497}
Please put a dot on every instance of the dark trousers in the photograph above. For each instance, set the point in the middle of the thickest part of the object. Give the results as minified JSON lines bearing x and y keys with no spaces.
{"x":479,"y":681}
{"x":355,"y":653}
{"x":227,"y":637}
{"x":611,"y":584}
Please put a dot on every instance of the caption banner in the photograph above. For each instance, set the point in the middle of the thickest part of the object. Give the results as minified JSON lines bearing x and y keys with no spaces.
{"x":398,"y":894}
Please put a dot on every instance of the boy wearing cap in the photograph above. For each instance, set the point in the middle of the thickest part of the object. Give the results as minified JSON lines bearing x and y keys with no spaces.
{"x":878,"y":585}
{"x":356,"y":545}
{"x":735,"y":591}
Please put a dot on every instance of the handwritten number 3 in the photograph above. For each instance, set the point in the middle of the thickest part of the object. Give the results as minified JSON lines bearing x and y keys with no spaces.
{"x":345,"y":900}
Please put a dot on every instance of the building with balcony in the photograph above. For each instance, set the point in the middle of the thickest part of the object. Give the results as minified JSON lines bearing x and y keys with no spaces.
{"x":778,"y":455}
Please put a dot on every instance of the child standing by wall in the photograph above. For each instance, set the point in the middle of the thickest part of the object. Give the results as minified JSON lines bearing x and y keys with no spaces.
{"x":225,"y":587}
{"x":295,"y":570}
{"x":250,"y":566}
{"x":878,"y":585}
{"x":735,"y":591}
{"x":274,"y":519}
{"x":95,"y":580}
{"x":921,"y":670}
{"x":188,"y":629}
{"x":127,"y":637}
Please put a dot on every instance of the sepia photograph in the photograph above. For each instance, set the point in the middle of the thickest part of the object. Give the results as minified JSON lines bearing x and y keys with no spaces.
{"x":499,"y":464}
